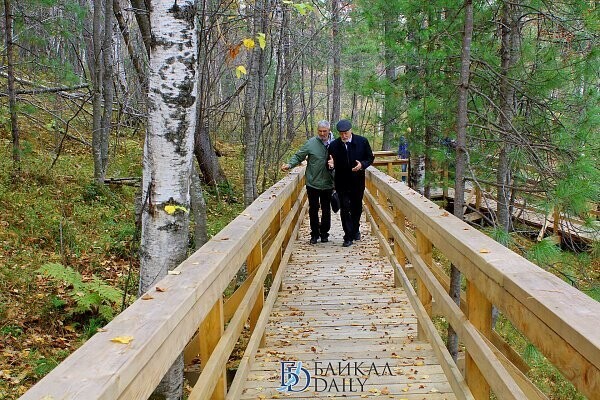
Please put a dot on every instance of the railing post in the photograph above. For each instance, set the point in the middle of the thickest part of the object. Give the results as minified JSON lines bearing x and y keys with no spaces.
{"x":389,"y":168}
{"x":211,"y":330}
{"x":382,"y":199}
{"x":425,"y":249}
{"x":556,"y":223}
{"x":400,"y":221}
{"x":273,"y":231}
{"x":445,"y":183}
{"x":252,"y":263}
{"x":480,"y":315}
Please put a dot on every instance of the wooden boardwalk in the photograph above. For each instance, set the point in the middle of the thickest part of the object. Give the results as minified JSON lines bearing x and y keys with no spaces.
{"x":338,"y":308}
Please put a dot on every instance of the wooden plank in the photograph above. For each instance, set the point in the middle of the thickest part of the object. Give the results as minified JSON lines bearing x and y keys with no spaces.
{"x":480,"y":315}
{"x":211,"y":330}
{"x":253,"y":260}
{"x":424,"y":249}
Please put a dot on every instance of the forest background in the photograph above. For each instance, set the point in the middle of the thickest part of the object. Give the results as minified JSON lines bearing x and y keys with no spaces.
{"x":503,"y":93}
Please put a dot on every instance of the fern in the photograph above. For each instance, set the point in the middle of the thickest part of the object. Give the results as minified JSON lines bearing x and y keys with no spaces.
{"x":94,"y":296}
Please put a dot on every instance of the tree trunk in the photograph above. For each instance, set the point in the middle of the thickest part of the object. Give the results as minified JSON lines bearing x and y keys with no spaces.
{"x":461,"y":134}
{"x":287,"y":76}
{"x":508,"y":54}
{"x":389,"y":109}
{"x":199,"y":209}
{"x":138,"y":64}
{"x":12,"y":98}
{"x":212,"y":173}
{"x":96,"y":72}
{"x":337,"y":50}
{"x":107,"y":83}
{"x":254,"y":104}
{"x":168,"y":155}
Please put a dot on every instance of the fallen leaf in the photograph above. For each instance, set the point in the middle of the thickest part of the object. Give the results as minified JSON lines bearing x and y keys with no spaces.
{"x":484,"y":251}
{"x":147,"y":297}
{"x":159,"y":289}
{"x":122,"y":339}
{"x":174,"y":272}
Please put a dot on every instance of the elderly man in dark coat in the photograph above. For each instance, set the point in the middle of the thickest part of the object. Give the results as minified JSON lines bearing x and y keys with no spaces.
{"x":350,"y":155}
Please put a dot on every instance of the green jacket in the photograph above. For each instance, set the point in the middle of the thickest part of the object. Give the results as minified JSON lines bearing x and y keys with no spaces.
{"x":317,"y":174}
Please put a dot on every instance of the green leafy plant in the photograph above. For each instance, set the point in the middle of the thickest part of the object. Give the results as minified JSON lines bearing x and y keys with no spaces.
{"x":93,"y":296}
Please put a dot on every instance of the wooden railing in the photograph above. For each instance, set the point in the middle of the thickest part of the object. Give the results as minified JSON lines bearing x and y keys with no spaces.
{"x":389,"y":159}
{"x":187,"y":312}
{"x":555,"y":317}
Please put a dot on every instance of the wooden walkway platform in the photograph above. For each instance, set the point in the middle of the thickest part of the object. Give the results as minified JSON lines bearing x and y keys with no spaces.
{"x":568,"y":228}
{"x":338,"y":310}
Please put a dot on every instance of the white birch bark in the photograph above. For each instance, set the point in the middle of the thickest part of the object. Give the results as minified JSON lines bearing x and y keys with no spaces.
{"x":168,"y":153}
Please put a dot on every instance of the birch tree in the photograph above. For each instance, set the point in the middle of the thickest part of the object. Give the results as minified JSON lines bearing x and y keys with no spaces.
{"x":168,"y":153}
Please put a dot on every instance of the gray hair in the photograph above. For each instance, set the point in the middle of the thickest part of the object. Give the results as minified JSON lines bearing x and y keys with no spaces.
{"x":324,"y":124}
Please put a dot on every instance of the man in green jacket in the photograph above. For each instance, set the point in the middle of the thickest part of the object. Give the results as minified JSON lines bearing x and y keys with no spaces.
{"x":319,"y":181}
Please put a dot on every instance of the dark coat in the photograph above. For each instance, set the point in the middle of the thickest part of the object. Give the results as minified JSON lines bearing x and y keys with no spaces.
{"x":358,"y":150}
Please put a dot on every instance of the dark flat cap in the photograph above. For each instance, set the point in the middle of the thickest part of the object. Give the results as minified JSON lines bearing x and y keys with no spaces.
{"x":343,"y":125}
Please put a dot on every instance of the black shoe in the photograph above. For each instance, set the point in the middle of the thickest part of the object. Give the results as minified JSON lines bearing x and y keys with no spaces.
{"x":324,"y":239}
{"x":313,"y":240}
{"x":347,"y":243}
{"x":357,"y":236}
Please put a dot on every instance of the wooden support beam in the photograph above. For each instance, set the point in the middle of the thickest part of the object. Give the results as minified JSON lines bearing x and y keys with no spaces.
{"x":400,"y":221}
{"x":425,"y":251}
{"x":252,"y":263}
{"x":480,"y":315}
{"x":211,"y":330}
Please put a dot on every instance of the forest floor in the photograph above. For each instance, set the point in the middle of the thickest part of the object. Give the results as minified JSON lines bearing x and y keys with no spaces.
{"x":55,"y":215}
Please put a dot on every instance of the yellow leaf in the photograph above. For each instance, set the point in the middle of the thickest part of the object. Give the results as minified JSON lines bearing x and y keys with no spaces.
{"x":147,"y":297}
{"x":240,"y":70}
{"x":262,"y":40}
{"x":122,"y":339}
{"x":174,"y":272}
{"x":249,"y":43}
{"x":170,"y":209}
{"x":485,"y":251}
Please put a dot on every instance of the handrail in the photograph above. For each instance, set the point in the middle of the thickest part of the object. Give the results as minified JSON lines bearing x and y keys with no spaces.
{"x":558,"y":319}
{"x":161,"y":327}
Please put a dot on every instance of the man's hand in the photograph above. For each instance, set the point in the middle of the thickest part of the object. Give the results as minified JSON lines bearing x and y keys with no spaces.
{"x":285,"y":167}
{"x":330,"y":162}
{"x":357,"y":167}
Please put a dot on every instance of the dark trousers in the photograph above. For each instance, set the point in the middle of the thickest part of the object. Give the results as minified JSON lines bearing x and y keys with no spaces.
{"x":322,"y":198}
{"x":350,"y":212}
